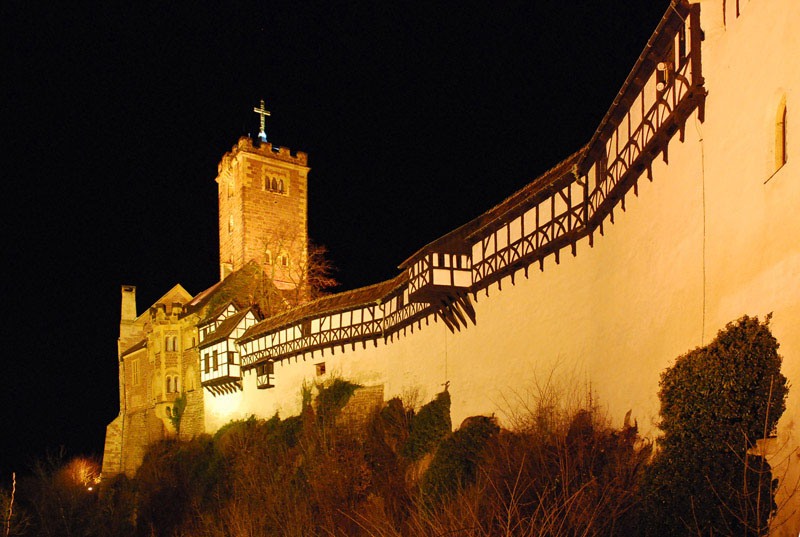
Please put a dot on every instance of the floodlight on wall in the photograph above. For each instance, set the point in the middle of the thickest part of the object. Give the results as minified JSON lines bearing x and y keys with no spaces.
{"x":663,"y":70}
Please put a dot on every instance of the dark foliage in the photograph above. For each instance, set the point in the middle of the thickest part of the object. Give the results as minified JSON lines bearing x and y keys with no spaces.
{"x":716,"y":401}
{"x":428,"y":427}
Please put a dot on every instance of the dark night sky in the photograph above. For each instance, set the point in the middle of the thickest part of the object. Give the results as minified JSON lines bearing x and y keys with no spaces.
{"x":417,"y":116}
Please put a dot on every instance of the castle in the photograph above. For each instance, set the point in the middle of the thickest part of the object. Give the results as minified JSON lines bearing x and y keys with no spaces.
{"x":678,"y":216}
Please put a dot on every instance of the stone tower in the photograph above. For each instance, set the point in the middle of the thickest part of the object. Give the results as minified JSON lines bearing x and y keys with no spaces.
{"x":263,"y":210}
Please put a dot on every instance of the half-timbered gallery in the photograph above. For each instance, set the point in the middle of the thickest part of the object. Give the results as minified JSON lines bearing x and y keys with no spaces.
{"x":679,"y":215}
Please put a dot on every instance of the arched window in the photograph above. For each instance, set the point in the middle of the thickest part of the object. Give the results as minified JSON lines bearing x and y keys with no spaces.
{"x":230,"y":224}
{"x":268,"y":258}
{"x":177,"y":384}
{"x":280,"y":186}
{"x":780,"y":135}
{"x":274,"y":184}
{"x":169,"y":384}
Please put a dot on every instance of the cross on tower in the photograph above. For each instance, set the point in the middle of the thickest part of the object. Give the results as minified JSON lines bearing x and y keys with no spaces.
{"x":262,"y":112}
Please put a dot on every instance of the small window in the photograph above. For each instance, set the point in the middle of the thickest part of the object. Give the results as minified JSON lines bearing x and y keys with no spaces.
{"x":280,"y":186}
{"x":230,"y":188}
{"x":169,"y":384}
{"x":320,"y":367}
{"x":285,"y":260}
{"x":135,"y":372}
{"x":230,"y":224}
{"x":780,"y":136}
{"x":215,"y":359}
{"x":177,"y":384}
{"x":207,"y":360}
{"x":274,"y":184}
{"x":268,"y":258}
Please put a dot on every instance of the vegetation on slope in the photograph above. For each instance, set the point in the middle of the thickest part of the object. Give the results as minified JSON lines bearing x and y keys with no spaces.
{"x":403,"y":472}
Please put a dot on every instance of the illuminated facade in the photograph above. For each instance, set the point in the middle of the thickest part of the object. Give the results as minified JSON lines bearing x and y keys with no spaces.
{"x":678,"y":216}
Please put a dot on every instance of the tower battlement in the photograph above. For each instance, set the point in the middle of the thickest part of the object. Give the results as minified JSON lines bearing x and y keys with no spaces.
{"x":265,"y":149}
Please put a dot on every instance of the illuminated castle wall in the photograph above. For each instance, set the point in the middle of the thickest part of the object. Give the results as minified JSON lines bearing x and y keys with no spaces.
{"x":678,"y":216}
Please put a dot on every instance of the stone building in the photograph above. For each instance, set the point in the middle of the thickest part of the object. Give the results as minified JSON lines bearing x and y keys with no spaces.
{"x":678,"y":216}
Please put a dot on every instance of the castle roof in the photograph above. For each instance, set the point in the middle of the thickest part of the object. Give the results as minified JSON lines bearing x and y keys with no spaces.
{"x":519,"y":201}
{"x":135,"y":347}
{"x":237,"y":288}
{"x":327,"y":304}
{"x":225,"y":328}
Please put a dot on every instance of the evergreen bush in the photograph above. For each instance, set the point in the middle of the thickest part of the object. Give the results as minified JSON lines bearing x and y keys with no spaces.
{"x":716,"y":402}
{"x":428,"y":427}
{"x":455,"y":463}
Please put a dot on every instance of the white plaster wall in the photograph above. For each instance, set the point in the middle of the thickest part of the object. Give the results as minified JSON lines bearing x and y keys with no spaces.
{"x":703,"y":244}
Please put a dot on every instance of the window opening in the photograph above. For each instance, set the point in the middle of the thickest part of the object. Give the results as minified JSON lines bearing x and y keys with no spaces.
{"x":780,"y":136}
{"x":320,"y":367}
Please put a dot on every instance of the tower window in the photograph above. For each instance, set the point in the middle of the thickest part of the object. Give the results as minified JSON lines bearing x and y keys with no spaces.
{"x":280,"y":186}
{"x":274,"y":184}
{"x":230,"y":224}
{"x":780,"y":136}
{"x":268,"y":258}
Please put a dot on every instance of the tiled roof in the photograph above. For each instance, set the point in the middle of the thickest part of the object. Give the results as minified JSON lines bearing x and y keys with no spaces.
{"x":328,"y":304}
{"x":236,"y":288}
{"x":224,"y":329}
{"x":512,"y":202}
{"x":135,"y":347}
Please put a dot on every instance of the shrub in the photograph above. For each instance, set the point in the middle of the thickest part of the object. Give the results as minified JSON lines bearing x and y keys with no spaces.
{"x":456,"y":461}
{"x":428,"y":427}
{"x":716,"y":401}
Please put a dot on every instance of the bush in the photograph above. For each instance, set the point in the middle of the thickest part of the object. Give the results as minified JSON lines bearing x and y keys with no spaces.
{"x":456,"y":461}
{"x":716,"y":401}
{"x":428,"y":427}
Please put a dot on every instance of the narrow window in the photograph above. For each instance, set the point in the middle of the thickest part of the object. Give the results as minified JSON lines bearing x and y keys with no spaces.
{"x":230,"y":188}
{"x":177,"y":384}
{"x":280,"y":186}
{"x":169,"y":384}
{"x":135,"y":372}
{"x":207,"y":364}
{"x":230,"y":224}
{"x":780,"y":136}
{"x":215,"y":359}
{"x":274,"y":184}
{"x":268,"y":258}
{"x":285,"y":260}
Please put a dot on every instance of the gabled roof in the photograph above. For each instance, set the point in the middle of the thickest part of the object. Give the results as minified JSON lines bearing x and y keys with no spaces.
{"x":225,"y":328}
{"x":237,"y":288}
{"x":327,"y":304}
{"x":135,"y":347}
{"x":177,"y":291}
